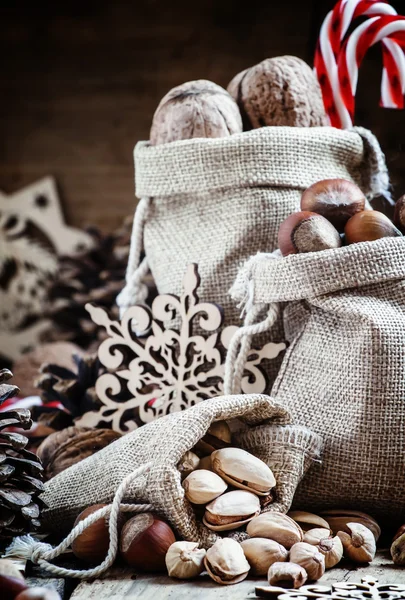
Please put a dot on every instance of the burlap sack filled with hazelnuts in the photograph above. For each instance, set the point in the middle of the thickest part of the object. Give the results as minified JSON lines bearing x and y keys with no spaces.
{"x":216,"y":202}
{"x":288,"y":450}
{"x":343,"y":374}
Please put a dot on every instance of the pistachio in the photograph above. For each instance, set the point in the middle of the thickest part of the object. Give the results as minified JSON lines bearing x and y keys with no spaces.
{"x":314,"y":536}
{"x":185,"y":560}
{"x":243,"y":470}
{"x":261,"y":553}
{"x":332,"y":549}
{"x":308,"y":520}
{"x":360,"y":544}
{"x":226,"y":563}
{"x":308,"y":557}
{"x":189,"y":462}
{"x":276,"y":526}
{"x":398,"y":549}
{"x":218,"y":436}
{"x":339,"y":518}
{"x":231,"y":510}
{"x":202,"y":486}
{"x":290,"y":574}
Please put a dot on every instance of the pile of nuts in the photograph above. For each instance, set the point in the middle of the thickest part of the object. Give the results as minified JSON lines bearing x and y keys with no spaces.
{"x":229,"y":488}
{"x":335,"y":212}
{"x":288,"y":549}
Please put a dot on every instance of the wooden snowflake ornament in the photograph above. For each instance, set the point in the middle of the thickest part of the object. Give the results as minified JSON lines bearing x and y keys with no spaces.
{"x":367,"y":589}
{"x":158,"y":369}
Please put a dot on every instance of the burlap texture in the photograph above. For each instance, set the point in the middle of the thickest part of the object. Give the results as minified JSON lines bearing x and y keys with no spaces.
{"x":343,"y":374}
{"x":96,"y":479}
{"x":216,"y":202}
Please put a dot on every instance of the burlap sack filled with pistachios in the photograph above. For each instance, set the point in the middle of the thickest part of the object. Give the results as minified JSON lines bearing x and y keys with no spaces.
{"x":343,"y":374}
{"x":216,"y":202}
{"x":287,"y":450}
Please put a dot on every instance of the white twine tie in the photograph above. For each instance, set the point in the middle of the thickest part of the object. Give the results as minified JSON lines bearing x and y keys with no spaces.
{"x":27,"y":547}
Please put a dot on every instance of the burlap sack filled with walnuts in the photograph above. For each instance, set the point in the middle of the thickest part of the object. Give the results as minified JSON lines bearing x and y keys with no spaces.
{"x":343,"y":374}
{"x":216,"y":202}
{"x":285,"y":448}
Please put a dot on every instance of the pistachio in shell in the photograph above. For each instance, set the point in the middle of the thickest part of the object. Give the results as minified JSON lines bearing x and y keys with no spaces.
{"x":243,"y":470}
{"x":231,"y":510}
{"x":261,"y":553}
{"x":203,"y":486}
{"x":276,"y":526}
{"x":307,"y":520}
{"x":226,"y":563}
{"x":339,"y":518}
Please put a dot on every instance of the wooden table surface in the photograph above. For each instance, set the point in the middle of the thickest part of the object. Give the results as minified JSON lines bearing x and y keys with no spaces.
{"x":122,"y":584}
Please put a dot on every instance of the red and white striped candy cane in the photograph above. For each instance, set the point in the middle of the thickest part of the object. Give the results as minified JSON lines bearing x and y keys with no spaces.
{"x":391,"y":31}
{"x":333,"y":31}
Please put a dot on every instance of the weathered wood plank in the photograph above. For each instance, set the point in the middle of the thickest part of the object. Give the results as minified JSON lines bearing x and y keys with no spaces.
{"x":122,"y":584}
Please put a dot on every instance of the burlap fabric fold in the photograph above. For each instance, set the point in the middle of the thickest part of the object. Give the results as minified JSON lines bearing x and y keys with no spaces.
{"x":216,"y":202}
{"x":343,"y":375}
{"x":163,"y":442}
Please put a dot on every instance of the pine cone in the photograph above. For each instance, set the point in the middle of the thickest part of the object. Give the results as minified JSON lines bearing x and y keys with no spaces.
{"x":76,"y":391}
{"x":20,"y":470}
{"x":97,"y":275}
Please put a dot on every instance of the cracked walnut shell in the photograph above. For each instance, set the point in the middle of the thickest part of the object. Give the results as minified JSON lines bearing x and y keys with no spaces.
{"x":62,"y":449}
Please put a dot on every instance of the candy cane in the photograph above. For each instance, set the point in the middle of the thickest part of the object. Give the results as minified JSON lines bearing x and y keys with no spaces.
{"x":390,"y":29}
{"x":333,"y":30}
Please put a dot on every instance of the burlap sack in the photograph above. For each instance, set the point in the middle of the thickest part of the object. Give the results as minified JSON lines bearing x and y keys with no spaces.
{"x":163,"y":442}
{"x":216,"y":202}
{"x":343,"y":374}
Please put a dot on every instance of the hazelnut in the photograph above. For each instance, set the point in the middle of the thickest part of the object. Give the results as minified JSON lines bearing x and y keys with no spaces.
{"x":307,"y":232}
{"x":369,"y":226}
{"x":308,"y":557}
{"x":195,"y":109}
{"x":38,"y":593}
{"x":144,"y":541}
{"x":92,"y":545}
{"x":359,"y":545}
{"x":279,"y":91}
{"x":11,"y":580}
{"x":287,"y":574}
{"x":399,"y":214}
{"x":335,"y":199}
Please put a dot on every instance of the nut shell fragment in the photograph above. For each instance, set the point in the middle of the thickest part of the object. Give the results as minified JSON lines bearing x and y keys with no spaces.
{"x":291,"y":574}
{"x":243,"y":470}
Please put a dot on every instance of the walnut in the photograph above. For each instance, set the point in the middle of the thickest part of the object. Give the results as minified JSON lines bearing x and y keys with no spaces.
{"x":65,"y":448}
{"x":196,"y":109}
{"x":279,"y":91}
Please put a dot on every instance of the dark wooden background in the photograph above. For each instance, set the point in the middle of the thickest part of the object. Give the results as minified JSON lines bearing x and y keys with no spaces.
{"x":80,"y":80}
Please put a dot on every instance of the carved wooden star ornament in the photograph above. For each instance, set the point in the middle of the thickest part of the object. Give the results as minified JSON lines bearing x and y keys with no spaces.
{"x":32,"y":236}
{"x":161,"y":369}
